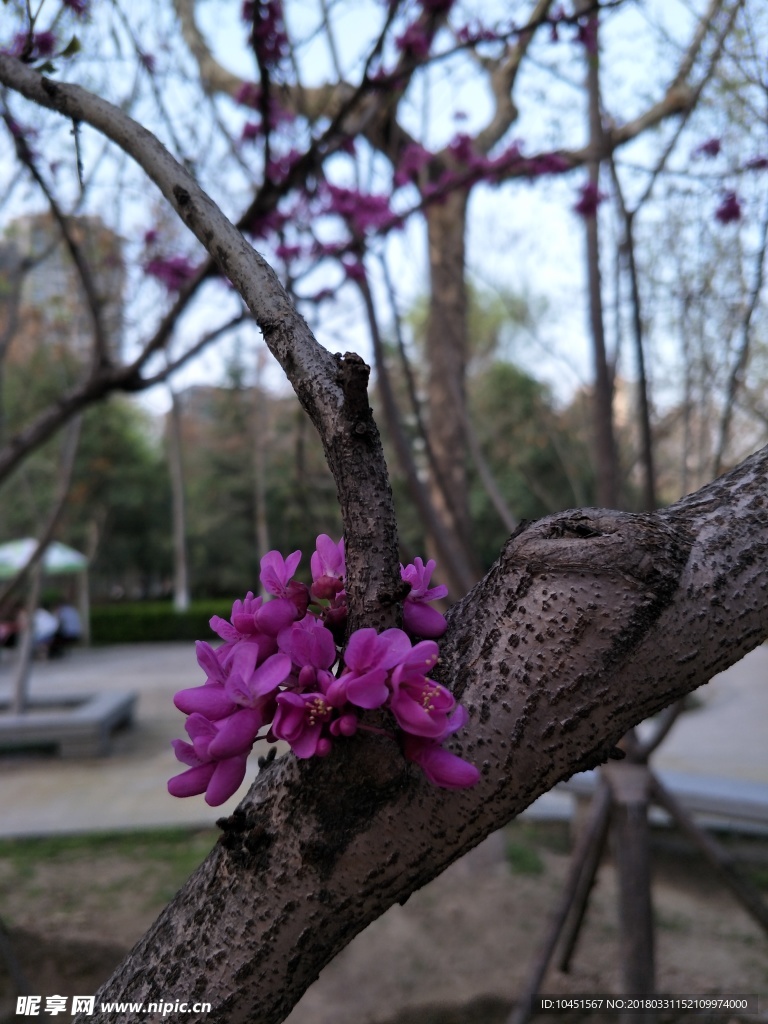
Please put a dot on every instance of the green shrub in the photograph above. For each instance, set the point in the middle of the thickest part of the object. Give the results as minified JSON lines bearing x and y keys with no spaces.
{"x":147,"y":621}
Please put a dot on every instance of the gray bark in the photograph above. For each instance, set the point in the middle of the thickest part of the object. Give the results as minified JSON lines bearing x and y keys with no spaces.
{"x":179,"y":506}
{"x":589,"y":622}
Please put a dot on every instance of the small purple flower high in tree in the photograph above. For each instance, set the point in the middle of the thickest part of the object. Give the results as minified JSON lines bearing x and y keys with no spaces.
{"x":280,"y":674}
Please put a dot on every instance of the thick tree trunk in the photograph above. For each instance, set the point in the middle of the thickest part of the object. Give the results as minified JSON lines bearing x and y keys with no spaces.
{"x":589,"y":622}
{"x":179,"y":509}
{"x":606,"y":456}
{"x":447,"y":355}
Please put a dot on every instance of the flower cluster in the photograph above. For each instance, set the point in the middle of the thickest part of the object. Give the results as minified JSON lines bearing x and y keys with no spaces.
{"x":280,"y":675}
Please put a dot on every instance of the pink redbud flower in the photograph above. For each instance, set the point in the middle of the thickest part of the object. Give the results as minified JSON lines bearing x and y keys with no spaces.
{"x":172,"y":271}
{"x":368,"y":659}
{"x":418,"y":618}
{"x":309,"y":644}
{"x":328,"y":557}
{"x":441,"y":767}
{"x":277,"y":578}
{"x":412,"y":161}
{"x":243,"y":618}
{"x":274,"y":672}
{"x":300,"y":720}
{"x":251,"y":130}
{"x":218,"y":779}
{"x":249,"y":685}
{"x":277,"y":572}
{"x":420,"y":705}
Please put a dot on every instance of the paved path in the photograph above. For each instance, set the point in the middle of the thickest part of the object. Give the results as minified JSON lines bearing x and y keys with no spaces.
{"x":725,"y":741}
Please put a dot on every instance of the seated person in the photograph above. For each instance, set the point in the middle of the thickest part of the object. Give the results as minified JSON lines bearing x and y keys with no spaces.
{"x":68,"y":629}
{"x":44,"y":626}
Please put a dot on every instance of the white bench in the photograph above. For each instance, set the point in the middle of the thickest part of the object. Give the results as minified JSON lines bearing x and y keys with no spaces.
{"x":78,"y":725}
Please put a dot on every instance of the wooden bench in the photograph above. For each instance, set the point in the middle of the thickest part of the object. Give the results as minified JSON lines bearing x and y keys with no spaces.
{"x":78,"y":725}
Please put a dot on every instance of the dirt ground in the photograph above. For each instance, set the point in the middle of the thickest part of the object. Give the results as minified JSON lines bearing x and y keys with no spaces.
{"x":458,"y":952}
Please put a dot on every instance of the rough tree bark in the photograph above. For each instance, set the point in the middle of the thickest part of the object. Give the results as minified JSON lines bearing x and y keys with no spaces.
{"x":446,"y":351}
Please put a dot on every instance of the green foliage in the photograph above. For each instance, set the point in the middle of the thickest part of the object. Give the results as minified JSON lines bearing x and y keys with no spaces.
{"x":230,"y":435}
{"x":155,"y":621}
{"x":524,"y":860}
{"x":539,"y":465}
{"x":118,"y":507}
{"x":162,"y":858}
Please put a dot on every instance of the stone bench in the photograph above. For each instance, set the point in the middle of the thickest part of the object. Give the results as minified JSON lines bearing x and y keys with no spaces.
{"x":78,"y":725}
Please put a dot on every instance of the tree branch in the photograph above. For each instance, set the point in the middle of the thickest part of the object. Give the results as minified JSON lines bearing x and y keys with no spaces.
{"x":332,"y":389}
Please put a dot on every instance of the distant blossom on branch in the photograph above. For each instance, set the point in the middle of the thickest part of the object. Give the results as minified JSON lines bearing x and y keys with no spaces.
{"x":172,"y":271}
{"x":268,"y":35}
{"x":34,"y":46}
{"x":414,"y":41}
{"x":729,"y":209}
{"x":589,"y":199}
{"x":710,"y":148}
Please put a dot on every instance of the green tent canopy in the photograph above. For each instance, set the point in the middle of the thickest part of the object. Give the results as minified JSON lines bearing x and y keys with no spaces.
{"x":58,"y":558}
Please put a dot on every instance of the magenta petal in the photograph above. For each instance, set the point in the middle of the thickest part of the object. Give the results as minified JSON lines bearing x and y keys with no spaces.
{"x":208,"y":662}
{"x":242,"y":661}
{"x":292,"y":564}
{"x":289,"y":717}
{"x":447,"y":770}
{"x":223,"y":628}
{"x":322,"y":647}
{"x":457,"y":719}
{"x":393,"y":646}
{"x":421,"y":620}
{"x":276,"y":615}
{"x":368,"y":690}
{"x":226,"y":780}
{"x":305,"y":745}
{"x":361,"y":649}
{"x":415,"y":719}
{"x":328,"y":559}
{"x":277,"y":571}
{"x":422,"y":658}
{"x":185,"y":753}
{"x":192,"y":782}
{"x":236,"y":734}
{"x":201,"y":731}
{"x":211,"y":701}
{"x":270,"y":675}
{"x":243,"y":622}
